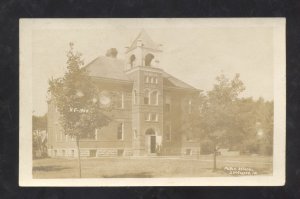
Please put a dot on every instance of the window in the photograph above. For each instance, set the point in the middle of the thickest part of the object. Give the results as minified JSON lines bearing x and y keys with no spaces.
{"x":154,"y":117}
{"x":147,"y":116}
{"x":134,"y":97}
{"x":120,"y":131}
{"x":168,"y":132}
{"x":135,"y":134}
{"x":188,"y":152}
{"x":122,"y":98}
{"x":190,"y":106}
{"x":154,"y":98}
{"x":148,"y":59}
{"x":120,"y":152}
{"x":151,"y":117}
{"x":146,"y":79}
{"x":189,"y":138}
{"x":156,"y":80}
{"x":132,"y":61}
{"x":73,"y":153}
{"x":93,"y":153}
{"x":168,"y":104}
{"x":96,"y":134}
{"x":146,"y":97}
{"x":152,"y":80}
{"x":119,"y":100}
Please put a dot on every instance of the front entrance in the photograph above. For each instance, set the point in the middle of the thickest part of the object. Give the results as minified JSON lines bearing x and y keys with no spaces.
{"x":153,"y":144}
{"x":150,"y":141}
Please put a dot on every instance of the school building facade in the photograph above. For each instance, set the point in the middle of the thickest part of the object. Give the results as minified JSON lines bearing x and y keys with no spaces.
{"x":150,"y":105}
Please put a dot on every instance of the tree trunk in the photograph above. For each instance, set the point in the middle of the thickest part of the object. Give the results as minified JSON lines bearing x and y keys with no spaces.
{"x":78,"y":151}
{"x":215,"y":159}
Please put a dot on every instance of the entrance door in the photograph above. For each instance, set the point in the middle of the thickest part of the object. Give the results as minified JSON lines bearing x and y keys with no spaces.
{"x":153,"y":144}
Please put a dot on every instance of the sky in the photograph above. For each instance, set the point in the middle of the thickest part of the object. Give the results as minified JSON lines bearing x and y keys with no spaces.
{"x":193,"y":51}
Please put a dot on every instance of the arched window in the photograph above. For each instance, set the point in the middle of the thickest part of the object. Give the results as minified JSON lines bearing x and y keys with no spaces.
{"x":150,"y":132}
{"x":154,"y":98}
{"x":148,"y":58}
{"x":132,"y":60}
{"x":146,"y":97}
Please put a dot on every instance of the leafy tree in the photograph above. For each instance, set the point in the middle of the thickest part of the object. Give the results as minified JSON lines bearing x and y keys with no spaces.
{"x":220,"y":115}
{"x":256,"y":121}
{"x":75,"y":96}
{"x":192,"y":122}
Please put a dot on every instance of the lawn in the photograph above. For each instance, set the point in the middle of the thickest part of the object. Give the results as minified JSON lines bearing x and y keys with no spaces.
{"x":147,"y":167}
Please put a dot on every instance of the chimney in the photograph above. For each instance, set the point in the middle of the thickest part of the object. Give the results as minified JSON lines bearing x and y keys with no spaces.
{"x":112,"y":52}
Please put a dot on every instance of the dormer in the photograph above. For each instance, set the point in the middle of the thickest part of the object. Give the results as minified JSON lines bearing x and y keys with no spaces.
{"x":143,"y":52}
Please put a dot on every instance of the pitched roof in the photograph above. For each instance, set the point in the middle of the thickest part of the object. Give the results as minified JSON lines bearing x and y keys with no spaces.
{"x":146,"y":41}
{"x":113,"y":68}
{"x":172,"y":81}
{"x":107,"y":67}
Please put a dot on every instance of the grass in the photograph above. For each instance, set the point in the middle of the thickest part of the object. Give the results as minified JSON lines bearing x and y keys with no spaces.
{"x":147,"y":167}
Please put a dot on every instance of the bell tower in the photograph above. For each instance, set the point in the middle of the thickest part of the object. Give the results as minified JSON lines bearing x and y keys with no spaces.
{"x":143,"y":52}
{"x":143,"y":67}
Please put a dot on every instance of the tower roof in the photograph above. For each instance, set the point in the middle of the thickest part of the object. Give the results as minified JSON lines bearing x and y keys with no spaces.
{"x":146,"y":41}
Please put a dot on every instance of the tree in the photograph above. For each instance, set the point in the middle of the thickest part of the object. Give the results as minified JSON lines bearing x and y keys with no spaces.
{"x":220,"y":123}
{"x":255,"y":118}
{"x":39,"y":138}
{"x":75,"y":96}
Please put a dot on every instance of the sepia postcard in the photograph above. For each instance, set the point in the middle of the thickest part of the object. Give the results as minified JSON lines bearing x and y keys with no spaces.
{"x":152,"y":102}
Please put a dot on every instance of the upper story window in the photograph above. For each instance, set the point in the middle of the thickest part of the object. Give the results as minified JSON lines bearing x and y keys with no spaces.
{"x":120,"y":131}
{"x":146,"y":97}
{"x":96,"y":134}
{"x":154,"y":98}
{"x":168,"y":104}
{"x":132,"y":61}
{"x":148,"y":59}
{"x":122,"y":100}
{"x":147,"y":116}
{"x":151,"y":117}
{"x":135,"y":134}
{"x":156,"y":80}
{"x":146,"y":79}
{"x":119,"y":100}
{"x":152,"y":80}
{"x":154,"y":117}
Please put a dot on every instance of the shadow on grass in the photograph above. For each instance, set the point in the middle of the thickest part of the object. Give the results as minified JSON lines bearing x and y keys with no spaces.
{"x":49,"y":168}
{"x":130,"y":175}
